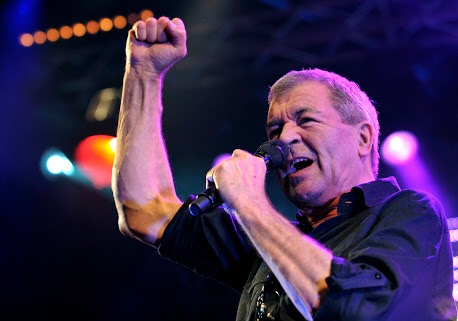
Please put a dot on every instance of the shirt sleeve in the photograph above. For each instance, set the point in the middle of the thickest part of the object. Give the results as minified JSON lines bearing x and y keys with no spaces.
{"x":399,"y":269}
{"x":212,"y":245}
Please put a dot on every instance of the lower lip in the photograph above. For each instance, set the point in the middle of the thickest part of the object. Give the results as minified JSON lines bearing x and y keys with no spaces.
{"x":301,"y":171}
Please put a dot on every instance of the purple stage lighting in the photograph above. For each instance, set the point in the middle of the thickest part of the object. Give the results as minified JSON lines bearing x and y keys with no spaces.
{"x":218,"y":159}
{"x":399,"y":148}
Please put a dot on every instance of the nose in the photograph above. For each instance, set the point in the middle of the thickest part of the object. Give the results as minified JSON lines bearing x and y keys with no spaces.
{"x":290,"y":135}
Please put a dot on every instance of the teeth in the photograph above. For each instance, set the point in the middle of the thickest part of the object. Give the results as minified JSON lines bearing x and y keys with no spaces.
{"x":295,"y":167}
{"x":294,"y":162}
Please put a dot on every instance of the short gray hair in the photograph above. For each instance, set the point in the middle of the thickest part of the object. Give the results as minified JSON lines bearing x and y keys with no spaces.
{"x":348,"y":99}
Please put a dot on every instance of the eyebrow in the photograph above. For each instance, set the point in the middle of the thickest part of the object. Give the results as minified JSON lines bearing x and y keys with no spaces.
{"x":299,"y":112}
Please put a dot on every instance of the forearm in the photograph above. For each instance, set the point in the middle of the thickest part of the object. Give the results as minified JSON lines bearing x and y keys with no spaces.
{"x":142,"y":179}
{"x":299,"y":262}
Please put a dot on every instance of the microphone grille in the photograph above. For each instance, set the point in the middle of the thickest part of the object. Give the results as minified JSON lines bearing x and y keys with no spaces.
{"x":275,"y":150}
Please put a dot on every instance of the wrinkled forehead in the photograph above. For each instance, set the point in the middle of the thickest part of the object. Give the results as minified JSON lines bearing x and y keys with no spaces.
{"x":305,"y":95}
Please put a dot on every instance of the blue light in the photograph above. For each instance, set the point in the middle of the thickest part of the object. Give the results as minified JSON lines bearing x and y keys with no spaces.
{"x":54,"y":162}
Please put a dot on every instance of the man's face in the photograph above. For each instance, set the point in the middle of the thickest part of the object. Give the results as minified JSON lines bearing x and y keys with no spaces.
{"x":323,"y":162}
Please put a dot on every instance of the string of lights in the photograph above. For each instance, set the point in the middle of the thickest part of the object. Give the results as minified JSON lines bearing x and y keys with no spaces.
{"x":80,"y":29}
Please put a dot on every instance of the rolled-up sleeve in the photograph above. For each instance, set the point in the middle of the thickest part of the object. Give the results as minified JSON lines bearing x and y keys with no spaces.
{"x":394,"y":271}
{"x":212,"y":245}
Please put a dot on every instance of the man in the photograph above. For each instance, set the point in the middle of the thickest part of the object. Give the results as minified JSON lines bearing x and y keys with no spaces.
{"x":362,"y":249}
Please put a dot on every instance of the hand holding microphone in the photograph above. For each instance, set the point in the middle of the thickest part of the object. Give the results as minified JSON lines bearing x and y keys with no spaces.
{"x":273,"y":152}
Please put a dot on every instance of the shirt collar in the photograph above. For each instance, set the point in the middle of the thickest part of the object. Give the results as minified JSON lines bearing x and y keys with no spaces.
{"x":376,"y":191}
{"x":360,"y":197}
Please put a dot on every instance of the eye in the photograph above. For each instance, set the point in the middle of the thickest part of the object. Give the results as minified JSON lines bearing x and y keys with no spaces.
{"x":304,"y":120}
{"x":274,"y":132}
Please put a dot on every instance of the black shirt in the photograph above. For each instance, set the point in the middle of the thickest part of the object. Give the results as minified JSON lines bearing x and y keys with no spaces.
{"x":392,"y":256}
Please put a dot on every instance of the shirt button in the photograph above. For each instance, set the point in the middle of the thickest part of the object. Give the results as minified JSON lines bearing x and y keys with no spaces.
{"x":378,"y":276}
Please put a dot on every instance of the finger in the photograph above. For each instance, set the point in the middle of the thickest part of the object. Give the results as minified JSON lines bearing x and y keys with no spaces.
{"x":161,"y":24}
{"x":177,"y":31}
{"x":240,"y":152}
{"x":151,"y":30}
{"x":178,"y":23}
{"x":140,"y":30}
{"x":210,"y":177}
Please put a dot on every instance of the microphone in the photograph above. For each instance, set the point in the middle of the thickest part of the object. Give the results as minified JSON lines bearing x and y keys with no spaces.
{"x":273,"y":152}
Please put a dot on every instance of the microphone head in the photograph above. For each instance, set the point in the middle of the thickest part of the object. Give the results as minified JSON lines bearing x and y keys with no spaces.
{"x":274,"y":152}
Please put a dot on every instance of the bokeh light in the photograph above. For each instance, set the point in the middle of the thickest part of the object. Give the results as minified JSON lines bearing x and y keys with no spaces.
{"x":26,"y":40}
{"x":119,"y":22}
{"x":94,"y":157}
{"x":145,"y":14}
{"x":54,"y":162}
{"x":92,"y":27}
{"x":399,"y":148}
{"x":106,"y":24}
{"x":39,"y":37}
{"x":66,"y":32}
{"x":53,"y":34}
{"x":79,"y":29}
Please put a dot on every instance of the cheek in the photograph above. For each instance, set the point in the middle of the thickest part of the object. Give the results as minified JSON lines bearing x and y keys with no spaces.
{"x":341,"y":152}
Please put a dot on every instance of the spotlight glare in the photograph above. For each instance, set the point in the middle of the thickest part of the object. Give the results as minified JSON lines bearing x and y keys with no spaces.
{"x":113,"y":144}
{"x":399,"y":147}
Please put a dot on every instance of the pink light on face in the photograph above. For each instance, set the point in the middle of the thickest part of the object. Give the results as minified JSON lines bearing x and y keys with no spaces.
{"x":399,"y":148}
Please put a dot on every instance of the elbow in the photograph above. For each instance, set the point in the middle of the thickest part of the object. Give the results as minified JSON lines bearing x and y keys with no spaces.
{"x":123,"y":222}
{"x":138,"y":225}
{"x":145,"y":223}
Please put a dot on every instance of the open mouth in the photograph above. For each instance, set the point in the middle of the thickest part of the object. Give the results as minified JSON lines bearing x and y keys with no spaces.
{"x":298,"y":164}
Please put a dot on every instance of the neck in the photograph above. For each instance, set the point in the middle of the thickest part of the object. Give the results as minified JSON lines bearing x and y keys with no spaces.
{"x":317,"y":219}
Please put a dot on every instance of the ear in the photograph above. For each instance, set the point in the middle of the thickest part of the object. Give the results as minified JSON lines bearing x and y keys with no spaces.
{"x":366,"y":135}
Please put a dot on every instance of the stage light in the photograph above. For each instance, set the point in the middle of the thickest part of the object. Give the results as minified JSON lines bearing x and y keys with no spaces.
{"x":145,"y":14}
{"x":26,"y":40}
{"x":133,"y":18}
{"x":79,"y":29}
{"x":92,"y":27}
{"x":399,"y":148}
{"x":54,"y":162}
{"x":103,"y":104}
{"x":66,"y":32}
{"x":106,"y":24}
{"x":53,"y":34}
{"x":39,"y":37}
{"x":119,"y":22}
{"x":94,"y":157}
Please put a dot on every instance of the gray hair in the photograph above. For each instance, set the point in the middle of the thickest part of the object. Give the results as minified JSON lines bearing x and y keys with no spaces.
{"x":348,"y":99}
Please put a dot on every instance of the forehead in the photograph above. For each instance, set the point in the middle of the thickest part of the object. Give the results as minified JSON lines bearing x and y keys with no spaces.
{"x":310,"y":95}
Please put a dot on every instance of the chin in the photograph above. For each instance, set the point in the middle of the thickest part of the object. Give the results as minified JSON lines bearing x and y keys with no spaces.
{"x":306,"y":193}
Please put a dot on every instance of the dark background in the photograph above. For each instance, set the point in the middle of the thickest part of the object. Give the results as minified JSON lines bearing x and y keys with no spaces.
{"x":61,"y":254}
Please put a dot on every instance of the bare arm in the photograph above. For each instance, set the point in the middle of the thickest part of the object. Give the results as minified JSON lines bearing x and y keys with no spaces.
{"x":299,"y":262}
{"x":142,"y":182}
